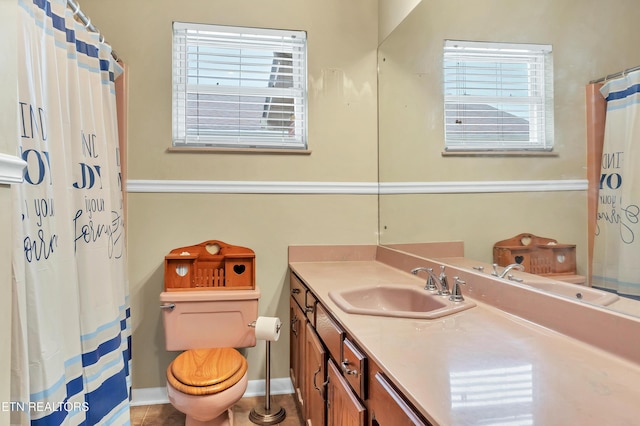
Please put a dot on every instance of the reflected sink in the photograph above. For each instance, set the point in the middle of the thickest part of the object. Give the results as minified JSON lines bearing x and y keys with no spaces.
{"x":573,"y":291}
{"x":402,"y":301}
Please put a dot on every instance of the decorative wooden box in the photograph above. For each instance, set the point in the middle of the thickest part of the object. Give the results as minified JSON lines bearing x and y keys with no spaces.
{"x":538,"y":255}
{"x":211,"y":265}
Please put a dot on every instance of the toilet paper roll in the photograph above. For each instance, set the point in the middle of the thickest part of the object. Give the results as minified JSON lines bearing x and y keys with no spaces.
{"x":268,"y":328}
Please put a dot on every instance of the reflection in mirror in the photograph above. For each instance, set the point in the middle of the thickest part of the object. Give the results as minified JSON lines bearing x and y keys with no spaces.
{"x":429,"y":195}
{"x":508,"y":390}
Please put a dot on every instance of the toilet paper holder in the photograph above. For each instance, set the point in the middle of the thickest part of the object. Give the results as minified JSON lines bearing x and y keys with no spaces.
{"x":252,"y":324}
{"x":269,"y":414}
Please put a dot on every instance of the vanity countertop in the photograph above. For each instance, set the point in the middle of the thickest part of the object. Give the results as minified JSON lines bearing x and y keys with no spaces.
{"x":483,"y":365}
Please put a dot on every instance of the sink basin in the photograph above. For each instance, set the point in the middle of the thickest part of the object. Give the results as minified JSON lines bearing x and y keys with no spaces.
{"x":396,"y":301}
{"x":573,"y":291}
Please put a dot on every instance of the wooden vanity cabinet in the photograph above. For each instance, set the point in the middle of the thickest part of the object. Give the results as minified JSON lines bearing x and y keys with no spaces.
{"x":312,"y":353}
{"x":307,"y":355}
{"x":335,"y":383}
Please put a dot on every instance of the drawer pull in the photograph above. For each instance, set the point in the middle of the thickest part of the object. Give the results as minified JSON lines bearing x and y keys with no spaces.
{"x":294,"y":320}
{"x":309,"y":309}
{"x":295,"y":291}
{"x":347,"y":370}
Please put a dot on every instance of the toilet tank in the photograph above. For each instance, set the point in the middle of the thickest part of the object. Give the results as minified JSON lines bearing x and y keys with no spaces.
{"x":209,"y":318}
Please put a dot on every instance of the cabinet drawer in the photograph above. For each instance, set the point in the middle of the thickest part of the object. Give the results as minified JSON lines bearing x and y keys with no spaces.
{"x":330,"y":332}
{"x":310,"y":307}
{"x":354,"y":364}
{"x":298,"y":290}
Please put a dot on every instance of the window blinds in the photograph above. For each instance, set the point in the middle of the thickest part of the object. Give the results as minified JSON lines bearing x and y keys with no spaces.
{"x":498,"y":96}
{"x":238,"y":87}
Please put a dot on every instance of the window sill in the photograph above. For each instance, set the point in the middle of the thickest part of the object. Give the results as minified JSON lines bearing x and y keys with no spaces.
{"x":500,"y":154}
{"x":211,"y":150}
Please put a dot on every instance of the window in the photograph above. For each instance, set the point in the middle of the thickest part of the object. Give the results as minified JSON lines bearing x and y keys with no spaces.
{"x":239,"y":87}
{"x":498,"y":96}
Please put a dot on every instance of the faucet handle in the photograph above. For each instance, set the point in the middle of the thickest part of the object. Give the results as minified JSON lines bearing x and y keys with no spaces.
{"x":495,"y":270}
{"x":516,"y":279}
{"x":444,"y":284}
{"x":456,"y":293}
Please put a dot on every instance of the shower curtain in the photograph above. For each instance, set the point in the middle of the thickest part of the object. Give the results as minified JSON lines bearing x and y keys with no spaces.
{"x":616,"y":257}
{"x":71,"y":332}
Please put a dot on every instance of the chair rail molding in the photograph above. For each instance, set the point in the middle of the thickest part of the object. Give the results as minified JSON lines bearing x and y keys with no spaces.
{"x":354,"y":188}
{"x":11,"y":169}
{"x":251,"y":187}
{"x":483,"y":186}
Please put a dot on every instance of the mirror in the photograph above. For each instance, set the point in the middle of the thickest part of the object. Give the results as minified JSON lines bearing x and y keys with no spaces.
{"x":428,"y":195}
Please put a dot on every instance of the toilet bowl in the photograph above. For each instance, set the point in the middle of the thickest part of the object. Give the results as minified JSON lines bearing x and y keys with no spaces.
{"x":205,"y":383}
{"x":210,"y":376}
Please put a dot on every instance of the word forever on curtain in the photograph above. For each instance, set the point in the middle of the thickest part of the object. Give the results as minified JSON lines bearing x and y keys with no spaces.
{"x":71,"y":333}
{"x":616,"y":258}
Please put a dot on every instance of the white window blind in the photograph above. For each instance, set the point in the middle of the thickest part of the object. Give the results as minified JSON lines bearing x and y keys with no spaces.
{"x":239,"y":87}
{"x":498,"y":96}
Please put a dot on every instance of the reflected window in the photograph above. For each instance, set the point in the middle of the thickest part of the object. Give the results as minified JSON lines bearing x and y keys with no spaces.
{"x":239,"y":87}
{"x":508,"y":391}
{"x":498,"y":96}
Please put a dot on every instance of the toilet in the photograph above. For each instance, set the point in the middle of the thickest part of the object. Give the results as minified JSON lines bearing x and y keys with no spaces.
{"x":210,"y":376}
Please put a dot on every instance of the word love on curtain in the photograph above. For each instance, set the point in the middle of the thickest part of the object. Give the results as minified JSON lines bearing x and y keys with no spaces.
{"x":71,"y":329}
{"x":616,"y":257}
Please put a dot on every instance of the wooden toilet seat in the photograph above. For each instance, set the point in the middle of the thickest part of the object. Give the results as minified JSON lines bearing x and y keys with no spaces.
{"x":206,"y":371}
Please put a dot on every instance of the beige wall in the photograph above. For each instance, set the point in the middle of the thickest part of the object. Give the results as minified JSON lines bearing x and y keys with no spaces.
{"x":589,"y":41}
{"x":391,"y":13}
{"x":8,"y":136}
{"x":342,"y":40}
{"x":342,"y":102}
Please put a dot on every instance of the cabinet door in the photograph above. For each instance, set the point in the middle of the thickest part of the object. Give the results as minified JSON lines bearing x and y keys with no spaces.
{"x":387,"y":407}
{"x":297,"y":333}
{"x":294,"y":334}
{"x":343,"y":407}
{"x":315,"y":373}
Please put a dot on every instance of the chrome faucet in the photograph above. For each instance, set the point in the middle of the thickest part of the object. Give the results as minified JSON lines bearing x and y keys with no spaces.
{"x":430,"y":285}
{"x":506,"y":269}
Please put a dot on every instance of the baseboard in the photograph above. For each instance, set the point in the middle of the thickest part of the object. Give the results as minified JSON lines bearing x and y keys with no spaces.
{"x":153,"y":396}
{"x":278,"y":387}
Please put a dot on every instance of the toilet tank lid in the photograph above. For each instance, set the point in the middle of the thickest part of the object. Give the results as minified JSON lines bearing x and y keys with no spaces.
{"x":208,"y":295}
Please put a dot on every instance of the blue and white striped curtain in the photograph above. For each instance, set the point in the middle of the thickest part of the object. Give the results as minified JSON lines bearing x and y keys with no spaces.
{"x":71,"y":329}
{"x":616,"y":258}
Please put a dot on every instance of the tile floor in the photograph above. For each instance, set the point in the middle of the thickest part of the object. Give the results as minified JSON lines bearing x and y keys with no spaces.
{"x":166,"y":415}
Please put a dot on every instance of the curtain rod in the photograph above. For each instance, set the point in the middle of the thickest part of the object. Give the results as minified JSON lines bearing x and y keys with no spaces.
{"x":618,"y":74}
{"x":86,"y":21}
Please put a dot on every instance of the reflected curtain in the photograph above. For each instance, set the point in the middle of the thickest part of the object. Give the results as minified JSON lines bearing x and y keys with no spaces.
{"x":616,"y":257}
{"x":71,"y":331}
